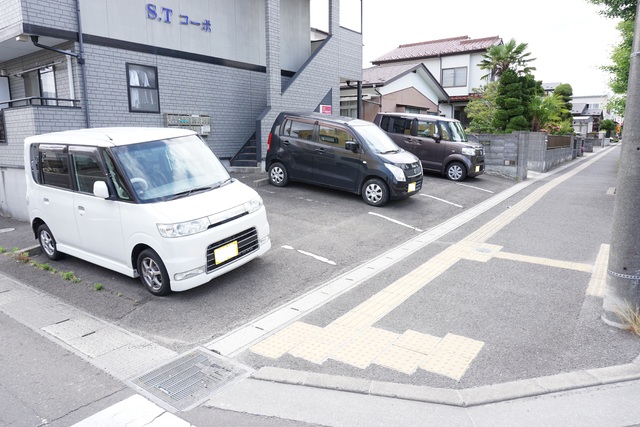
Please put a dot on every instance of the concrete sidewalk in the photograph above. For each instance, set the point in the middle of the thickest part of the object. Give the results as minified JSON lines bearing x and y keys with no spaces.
{"x":524,"y":277}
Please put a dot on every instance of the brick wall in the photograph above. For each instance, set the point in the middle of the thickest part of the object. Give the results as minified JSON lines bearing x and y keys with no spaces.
{"x":59,"y":14}
{"x":10,"y":19}
{"x":232,"y":97}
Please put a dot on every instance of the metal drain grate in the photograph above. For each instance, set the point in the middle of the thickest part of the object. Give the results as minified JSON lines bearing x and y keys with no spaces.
{"x":188,"y":381}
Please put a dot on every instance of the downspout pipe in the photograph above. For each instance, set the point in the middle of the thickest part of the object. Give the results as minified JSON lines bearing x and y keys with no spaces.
{"x":79,"y":56}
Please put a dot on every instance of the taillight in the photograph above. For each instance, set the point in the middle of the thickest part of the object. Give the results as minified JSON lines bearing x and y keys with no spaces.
{"x":269,"y":141}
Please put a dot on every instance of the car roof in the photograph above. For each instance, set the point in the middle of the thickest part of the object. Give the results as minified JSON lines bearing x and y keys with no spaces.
{"x":419,"y":116}
{"x":327,"y":118}
{"x":108,"y":136}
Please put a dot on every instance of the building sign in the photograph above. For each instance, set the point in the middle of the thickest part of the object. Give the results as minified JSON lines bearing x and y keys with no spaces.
{"x":325,"y":109}
{"x":165,"y":15}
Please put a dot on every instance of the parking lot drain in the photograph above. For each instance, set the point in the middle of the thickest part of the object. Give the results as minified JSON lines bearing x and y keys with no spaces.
{"x":191,"y":379}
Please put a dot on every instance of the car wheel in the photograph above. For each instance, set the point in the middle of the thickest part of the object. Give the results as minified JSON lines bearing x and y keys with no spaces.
{"x":48,"y":243}
{"x":278,"y":175}
{"x":375,"y":192}
{"x":456,"y":171}
{"x":153,"y":273}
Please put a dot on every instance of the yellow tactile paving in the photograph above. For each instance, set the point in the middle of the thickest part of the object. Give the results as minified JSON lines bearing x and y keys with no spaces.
{"x":317,"y":348}
{"x":280,"y":343}
{"x":459,"y":346}
{"x":447,"y":365}
{"x":352,"y":339}
{"x":400,"y":359}
{"x":599,"y":276}
{"x":418,"y":342}
{"x":365,"y":348}
{"x":545,"y":261}
{"x":452,"y":356}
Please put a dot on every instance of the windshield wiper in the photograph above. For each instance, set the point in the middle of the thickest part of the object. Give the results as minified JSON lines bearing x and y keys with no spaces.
{"x":390,"y":151}
{"x":190,"y":192}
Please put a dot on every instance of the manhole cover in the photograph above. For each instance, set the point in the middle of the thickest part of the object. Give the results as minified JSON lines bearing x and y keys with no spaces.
{"x":191,"y":379}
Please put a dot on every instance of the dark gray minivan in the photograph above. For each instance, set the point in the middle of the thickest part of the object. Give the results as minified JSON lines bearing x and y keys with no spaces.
{"x":342,"y":153}
{"x":439,"y":142}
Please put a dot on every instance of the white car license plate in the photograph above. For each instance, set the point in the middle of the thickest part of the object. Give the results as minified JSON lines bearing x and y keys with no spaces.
{"x":412,"y":187}
{"x":226,"y":252}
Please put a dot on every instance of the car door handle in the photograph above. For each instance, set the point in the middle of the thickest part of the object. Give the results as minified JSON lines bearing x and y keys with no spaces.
{"x":320,"y":150}
{"x":286,"y":142}
{"x":81,"y":210}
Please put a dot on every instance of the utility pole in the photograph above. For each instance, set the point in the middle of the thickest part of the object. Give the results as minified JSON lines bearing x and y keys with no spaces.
{"x":622,"y":291}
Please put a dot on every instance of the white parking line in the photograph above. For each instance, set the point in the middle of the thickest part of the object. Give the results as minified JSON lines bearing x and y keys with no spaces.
{"x":317,"y":257}
{"x":475,"y":188}
{"x":395,"y":221}
{"x":442,"y":200}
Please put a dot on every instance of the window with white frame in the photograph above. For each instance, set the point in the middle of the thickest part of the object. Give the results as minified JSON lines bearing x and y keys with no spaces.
{"x":142,"y":83}
{"x":453,"y":77}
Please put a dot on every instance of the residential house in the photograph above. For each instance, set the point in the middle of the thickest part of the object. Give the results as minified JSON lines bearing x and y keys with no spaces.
{"x":452,"y":61}
{"x":589,"y":111}
{"x":225,"y":69}
{"x":407,"y":88}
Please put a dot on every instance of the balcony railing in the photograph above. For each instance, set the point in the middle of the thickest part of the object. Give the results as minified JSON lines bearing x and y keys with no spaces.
{"x":40,"y":100}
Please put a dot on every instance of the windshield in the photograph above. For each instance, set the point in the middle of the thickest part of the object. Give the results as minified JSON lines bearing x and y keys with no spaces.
{"x":453,"y":131}
{"x":170,"y":168}
{"x":376,"y":139}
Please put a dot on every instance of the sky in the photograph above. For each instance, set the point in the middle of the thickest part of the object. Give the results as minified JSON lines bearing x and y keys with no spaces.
{"x":568,"y":38}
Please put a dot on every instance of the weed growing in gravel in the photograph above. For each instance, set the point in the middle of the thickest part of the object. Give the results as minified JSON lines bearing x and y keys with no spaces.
{"x":98,"y":286}
{"x":3,"y":249}
{"x":70,"y":276}
{"x":22,"y":257}
{"x":631,"y":317}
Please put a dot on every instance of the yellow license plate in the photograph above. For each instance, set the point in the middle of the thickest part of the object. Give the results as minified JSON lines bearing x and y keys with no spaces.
{"x":412,"y":187}
{"x":477,"y":168}
{"x":226,"y":252}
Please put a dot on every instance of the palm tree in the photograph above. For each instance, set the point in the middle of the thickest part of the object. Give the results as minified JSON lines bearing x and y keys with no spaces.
{"x":501,"y":57}
{"x":546,"y":110}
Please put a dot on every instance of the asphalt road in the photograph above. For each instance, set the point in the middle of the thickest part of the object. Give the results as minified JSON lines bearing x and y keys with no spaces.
{"x":317,"y":234}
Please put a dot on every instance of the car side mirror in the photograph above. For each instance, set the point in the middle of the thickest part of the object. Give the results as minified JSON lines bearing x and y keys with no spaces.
{"x":351,"y":146}
{"x":100,"y":189}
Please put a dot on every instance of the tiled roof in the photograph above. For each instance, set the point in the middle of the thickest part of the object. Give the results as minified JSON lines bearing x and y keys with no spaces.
{"x":434,"y":48}
{"x":380,"y":75}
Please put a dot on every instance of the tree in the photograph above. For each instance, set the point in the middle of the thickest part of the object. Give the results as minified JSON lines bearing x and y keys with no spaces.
{"x":608,"y":125}
{"x":565,"y":92}
{"x":503,"y":57}
{"x":619,"y":70}
{"x":482,"y":109}
{"x":510,"y":113}
{"x":547,"y":113}
{"x":624,"y":9}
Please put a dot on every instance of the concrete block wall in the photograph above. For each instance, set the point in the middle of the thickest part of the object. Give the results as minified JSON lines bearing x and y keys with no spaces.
{"x":513,"y":155}
{"x":500,"y":154}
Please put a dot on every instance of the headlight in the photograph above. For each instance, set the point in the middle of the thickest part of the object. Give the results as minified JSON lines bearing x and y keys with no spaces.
{"x":183,"y":228}
{"x":397,"y":172}
{"x":469,"y":151}
{"x":253,"y":205}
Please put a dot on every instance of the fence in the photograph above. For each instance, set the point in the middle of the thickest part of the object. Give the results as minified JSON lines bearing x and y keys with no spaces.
{"x":513,"y":155}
